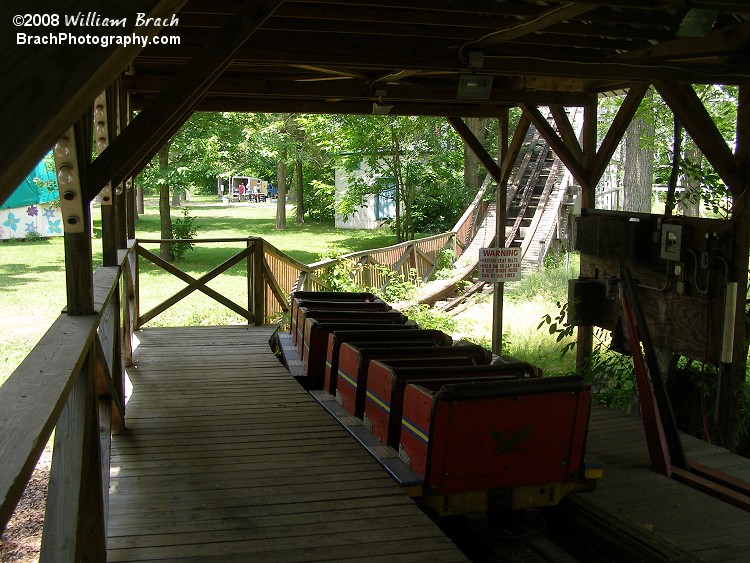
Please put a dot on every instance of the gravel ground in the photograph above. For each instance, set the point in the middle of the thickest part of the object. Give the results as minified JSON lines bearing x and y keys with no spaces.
{"x":23,"y":535}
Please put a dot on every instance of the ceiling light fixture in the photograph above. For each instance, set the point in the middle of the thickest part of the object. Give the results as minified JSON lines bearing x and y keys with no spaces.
{"x":474,"y":87}
{"x":698,"y":22}
{"x":379,"y":108}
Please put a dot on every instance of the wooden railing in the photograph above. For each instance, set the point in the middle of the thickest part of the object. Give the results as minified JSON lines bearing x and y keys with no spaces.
{"x":466,"y":227}
{"x":271,"y":277}
{"x":72,"y":382}
{"x":370,"y":268}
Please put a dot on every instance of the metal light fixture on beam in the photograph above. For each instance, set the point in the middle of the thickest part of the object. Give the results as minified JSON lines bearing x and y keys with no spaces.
{"x":380,"y":108}
{"x":69,"y":182}
{"x":101,"y":130}
{"x":474,"y":87}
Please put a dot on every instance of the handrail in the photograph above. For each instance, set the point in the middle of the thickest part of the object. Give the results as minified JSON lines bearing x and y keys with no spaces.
{"x":72,"y":382}
{"x":72,"y":374}
{"x":419,"y":255}
{"x":272,"y":276}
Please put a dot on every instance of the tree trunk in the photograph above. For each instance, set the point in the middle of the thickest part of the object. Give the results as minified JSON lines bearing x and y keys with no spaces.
{"x":691,"y":200}
{"x":472,"y":175}
{"x":165,"y":218}
{"x":176,"y":199}
{"x":398,"y":187}
{"x":281,"y":201}
{"x":140,"y":207}
{"x":298,"y":180}
{"x":639,"y":163}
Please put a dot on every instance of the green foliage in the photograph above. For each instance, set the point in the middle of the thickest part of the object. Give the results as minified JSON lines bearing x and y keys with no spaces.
{"x":34,"y":236}
{"x":560,"y":327}
{"x":429,"y":318}
{"x":183,"y":228}
{"x":444,"y":264}
{"x":550,"y":284}
{"x":319,"y":201}
{"x":397,"y":288}
{"x":713,"y":192}
{"x":339,"y":276}
{"x":611,"y":375}
{"x":418,"y":159}
{"x":743,"y":438}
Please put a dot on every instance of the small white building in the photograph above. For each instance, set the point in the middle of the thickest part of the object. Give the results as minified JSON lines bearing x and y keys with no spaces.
{"x":377,"y":208}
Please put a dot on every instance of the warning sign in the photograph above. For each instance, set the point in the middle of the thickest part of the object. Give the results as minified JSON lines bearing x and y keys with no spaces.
{"x":499,"y":264}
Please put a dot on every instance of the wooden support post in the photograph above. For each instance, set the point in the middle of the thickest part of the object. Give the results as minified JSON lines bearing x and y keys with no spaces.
{"x":105,"y":127}
{"x":732,"y":374}
{"x":79,"y":277}
{"x":258,"y":283}
{"x":250,"y":278}
{"x":585,"y":336}
{"x":136,"y":291}
{"x":74,"y":516}
{"x":500,"y":215}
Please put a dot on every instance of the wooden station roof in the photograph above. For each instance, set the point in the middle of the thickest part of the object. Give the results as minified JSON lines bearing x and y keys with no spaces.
{"x":343,"y":56}
{"x":403,"y":57}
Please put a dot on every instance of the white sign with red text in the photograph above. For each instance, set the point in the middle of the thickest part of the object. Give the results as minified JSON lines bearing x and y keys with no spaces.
{"x":499,"y":264}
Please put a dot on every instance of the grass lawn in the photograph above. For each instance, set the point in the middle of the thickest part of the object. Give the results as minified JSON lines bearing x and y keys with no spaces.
{"x":32,"y":281}
{"x":32,"y":275}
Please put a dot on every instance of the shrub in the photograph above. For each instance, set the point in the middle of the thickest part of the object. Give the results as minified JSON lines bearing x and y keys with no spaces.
{"x":429,"y":318}
{"x":183,"y":228}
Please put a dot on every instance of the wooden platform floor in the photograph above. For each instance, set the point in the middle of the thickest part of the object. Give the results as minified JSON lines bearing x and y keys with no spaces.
{"x":227,"y":458}
{"x":702,"y":526}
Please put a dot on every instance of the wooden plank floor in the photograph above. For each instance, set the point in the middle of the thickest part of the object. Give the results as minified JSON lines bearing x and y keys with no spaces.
{"x":699,"y":524}
{"x":227,"y":458}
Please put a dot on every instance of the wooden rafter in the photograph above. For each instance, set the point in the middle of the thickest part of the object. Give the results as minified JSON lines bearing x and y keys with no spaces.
{"x":567,"y":133}
{"x":616,"y":130}
{"x":691,"y":112}
{"x":39,"y":112}
{"x":484,"y":157}
{"x":562,"y":150}
{"x":151,"y":127}
{"x":533,"y":24}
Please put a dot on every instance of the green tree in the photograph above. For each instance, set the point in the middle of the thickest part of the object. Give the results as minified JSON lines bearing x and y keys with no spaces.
{"x":417,"y":159}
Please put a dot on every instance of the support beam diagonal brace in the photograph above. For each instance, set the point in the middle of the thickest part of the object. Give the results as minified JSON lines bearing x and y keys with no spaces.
{"x":558,"y":145}
{"x":151,"y":126}
{"x":484,"y":157}
{"x":691,"y":112}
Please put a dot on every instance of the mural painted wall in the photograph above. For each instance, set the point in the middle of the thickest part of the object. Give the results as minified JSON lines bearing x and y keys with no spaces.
{"x":32,"y":209}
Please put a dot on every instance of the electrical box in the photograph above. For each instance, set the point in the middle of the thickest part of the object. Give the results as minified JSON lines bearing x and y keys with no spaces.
{"x":671,"y":242}
{"x":614,"y":236}
{"x":586,"y":302}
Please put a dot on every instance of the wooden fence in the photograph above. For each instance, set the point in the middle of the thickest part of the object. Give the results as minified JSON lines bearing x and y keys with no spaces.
{"x":373,"y":268}
{"x":72,"y":382}
{"x":271,"y":277}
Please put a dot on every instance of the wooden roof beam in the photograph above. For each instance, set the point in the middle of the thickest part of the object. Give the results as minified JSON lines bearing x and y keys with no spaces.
{"x":149,"y":130}
{"x":567,"y":133}
{"x":569,"y":156}
{"x":70,"y":85}
{"x":477,"y":148}
{"x":616,"y":131}
{"x":532,"y":24}
{"x":688,"y":108}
